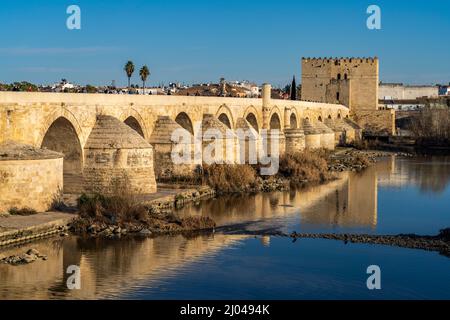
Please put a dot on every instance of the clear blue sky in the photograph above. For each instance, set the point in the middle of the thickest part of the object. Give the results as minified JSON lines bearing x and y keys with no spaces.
{"x":203,"y":40}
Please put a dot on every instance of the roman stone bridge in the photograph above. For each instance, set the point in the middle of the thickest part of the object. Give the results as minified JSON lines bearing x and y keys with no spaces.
{"x":64,"y":122}
{"x":28,"y":117}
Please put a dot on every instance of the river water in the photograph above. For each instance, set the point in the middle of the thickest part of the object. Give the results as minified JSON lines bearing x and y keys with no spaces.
{"x":397,"y":195}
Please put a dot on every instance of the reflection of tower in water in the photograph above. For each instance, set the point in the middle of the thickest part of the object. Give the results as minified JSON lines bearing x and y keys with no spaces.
{"x":350,"y":201}
{"x":363,"y":199}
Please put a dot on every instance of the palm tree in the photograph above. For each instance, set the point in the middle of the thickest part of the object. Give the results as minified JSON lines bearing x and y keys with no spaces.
{"x":144,"y":73}
{"x":129,"y":69}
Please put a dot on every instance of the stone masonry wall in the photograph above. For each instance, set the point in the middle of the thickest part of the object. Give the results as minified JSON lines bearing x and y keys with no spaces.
{"x":30,"y":183}
{"x":105,"y":169}
{"x":363,"y":74}
{"x":377,"y":122}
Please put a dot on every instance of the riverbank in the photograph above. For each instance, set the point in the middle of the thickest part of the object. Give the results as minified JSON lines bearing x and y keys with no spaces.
{"x":125,"y":214}
{"x":22,"y":229}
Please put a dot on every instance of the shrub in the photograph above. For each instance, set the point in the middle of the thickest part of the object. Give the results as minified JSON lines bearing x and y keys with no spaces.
{"x":113,"y":209}
{"x":229,"y":178}
{"x":122,"y":206}
{"x":306,"y":166}
{"x":22,"y":212}
{"x":432,"y":126}
{"x":361,"y":160}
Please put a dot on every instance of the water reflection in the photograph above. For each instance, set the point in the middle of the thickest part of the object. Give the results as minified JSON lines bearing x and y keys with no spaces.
{"x":349,"y":202}
{"x":363,"y":200}
{"x":429,"y":174}
{"x":108,"y":267}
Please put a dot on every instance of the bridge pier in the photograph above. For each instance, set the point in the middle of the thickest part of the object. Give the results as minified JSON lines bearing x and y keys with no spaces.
{"x":29,"y":177}
{"x":118,"y":159}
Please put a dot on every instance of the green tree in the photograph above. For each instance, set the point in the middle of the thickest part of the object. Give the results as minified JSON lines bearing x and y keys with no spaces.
{"x":293,"y":89}
{"x":91,"y":89}
{"x":144,"y":73}
{"x":24,"y":86}
{"x":129,"y":69}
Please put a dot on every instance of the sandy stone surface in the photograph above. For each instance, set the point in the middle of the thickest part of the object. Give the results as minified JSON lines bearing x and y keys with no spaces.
{"x":8,"y":222}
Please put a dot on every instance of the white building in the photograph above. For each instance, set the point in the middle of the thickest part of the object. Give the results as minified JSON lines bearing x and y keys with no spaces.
{"x":63,"y":85}
{"x":399,"y":91}
{"x":402,"y":105}
{"x":151,"y":91}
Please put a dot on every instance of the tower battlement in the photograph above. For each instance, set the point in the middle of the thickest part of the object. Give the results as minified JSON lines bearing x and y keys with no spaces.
{"x":341,"y":59}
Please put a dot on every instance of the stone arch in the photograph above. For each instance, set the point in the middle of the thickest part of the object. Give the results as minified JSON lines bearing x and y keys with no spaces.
{"x":225,"y":120}
{"x":251,"y":115}
{"x":276,"y":117}
{"x":61,"y":113}
{"x":319,"y":118}
{"x":134,"y":124}
{"x":329,"y":116}
{"x":225,"y":116}
{"x":185,"y":121}
{"x":133,"y":119}
{"x":339,"y":115}
{"x":293,"y":121}
{"x":61,"y":136}
{"x":275,"y":122}
{"x":251,"y":118}
{"x":308,"y":113}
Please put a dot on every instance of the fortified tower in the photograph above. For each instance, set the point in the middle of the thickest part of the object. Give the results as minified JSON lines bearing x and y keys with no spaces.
{"x":352,"y":82}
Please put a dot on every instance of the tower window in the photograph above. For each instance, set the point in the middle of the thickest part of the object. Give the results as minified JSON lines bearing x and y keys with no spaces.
{"x":339,"y":76}
{"x":345,"y":76}
{"x":337,"y":96}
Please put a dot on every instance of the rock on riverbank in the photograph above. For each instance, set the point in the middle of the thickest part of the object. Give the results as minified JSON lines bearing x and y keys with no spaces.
{"x":156,"y":222}
{"x":439,"y":243}
{"x":356,"y":160}
{"x":30,"y":256}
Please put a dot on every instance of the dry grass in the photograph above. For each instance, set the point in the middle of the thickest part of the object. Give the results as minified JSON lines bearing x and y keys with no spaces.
{"x":306,"y":166}
{"x":197,"y":223}
{"x":22,"y":212}
{"x":230,"y":178}
{"x":190,"y":178}
{"x":97,"y":212}
{"x":111,"y":209}
{"x":120,"y":207}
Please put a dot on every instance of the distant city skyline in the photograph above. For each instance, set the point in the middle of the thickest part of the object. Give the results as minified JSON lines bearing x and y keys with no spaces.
{"x":202,"y":41}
